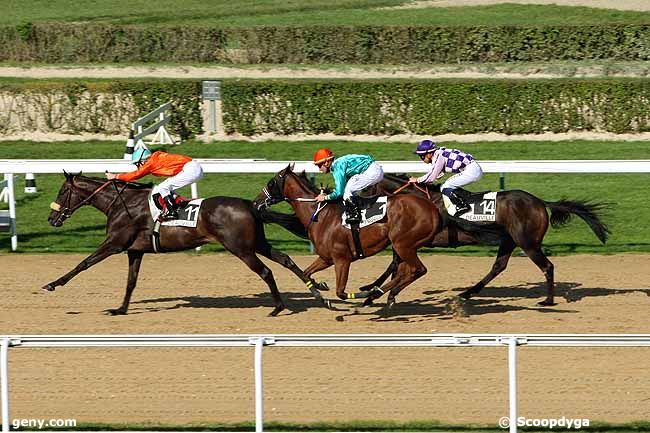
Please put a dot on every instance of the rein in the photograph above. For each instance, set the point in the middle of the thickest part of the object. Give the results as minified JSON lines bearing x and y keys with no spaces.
{"x":87,"y":199}
{"x":67,"y":212}
{"x":424,"y":190}
{"x":119,"y":194}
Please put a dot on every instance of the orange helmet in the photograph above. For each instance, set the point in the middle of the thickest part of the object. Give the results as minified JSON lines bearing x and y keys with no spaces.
{"x":322,"y":155}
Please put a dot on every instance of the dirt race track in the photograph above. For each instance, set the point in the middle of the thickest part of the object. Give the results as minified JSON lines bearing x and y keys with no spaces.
{"x":183,"y":293}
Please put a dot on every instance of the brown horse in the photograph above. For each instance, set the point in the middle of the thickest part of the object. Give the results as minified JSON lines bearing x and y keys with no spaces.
{"x":521,"y":216}
{"x":233,"y":222}
{"x":411,"y":221}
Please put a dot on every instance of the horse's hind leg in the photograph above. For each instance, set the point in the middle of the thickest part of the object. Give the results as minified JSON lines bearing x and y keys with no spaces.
{"x":506,"y":248}
{"x":257,"y":266}
{"x":410,"y":270}
{"x":135,"y":259}
{"x":390,"y":271}
{"x":545,"y":265}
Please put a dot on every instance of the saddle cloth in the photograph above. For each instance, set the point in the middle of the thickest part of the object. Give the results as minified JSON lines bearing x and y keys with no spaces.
{"x":188,"y":212}
{"x":373,"y":211}
{"x":483,"y":206}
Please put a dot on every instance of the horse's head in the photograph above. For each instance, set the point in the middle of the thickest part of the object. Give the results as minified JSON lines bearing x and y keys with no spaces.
{"x":273,"y":192}
{"x":68,"y":200}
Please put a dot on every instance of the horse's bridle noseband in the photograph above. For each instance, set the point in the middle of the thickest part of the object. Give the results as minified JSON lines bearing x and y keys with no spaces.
{"x":272,"y":199}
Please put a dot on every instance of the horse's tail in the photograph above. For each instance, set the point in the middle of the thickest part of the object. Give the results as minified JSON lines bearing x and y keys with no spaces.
{"x":288,"y":221}
{"x":589,"y":212}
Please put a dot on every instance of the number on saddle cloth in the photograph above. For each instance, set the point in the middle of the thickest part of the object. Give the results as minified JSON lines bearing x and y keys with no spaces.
{"x":188,"y":212}
{"x":372,"y":210}
{"x":483,"y":205}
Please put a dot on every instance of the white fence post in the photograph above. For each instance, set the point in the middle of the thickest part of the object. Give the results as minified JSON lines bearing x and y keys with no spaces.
{"x":512,"y":373}
{"x":259,"y":386}
{"x":4,"y":383}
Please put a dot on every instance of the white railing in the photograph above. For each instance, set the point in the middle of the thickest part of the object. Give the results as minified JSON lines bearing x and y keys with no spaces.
{"x":264,"y":166}
{"x":311,"y":340}
{"x":93,"y":166}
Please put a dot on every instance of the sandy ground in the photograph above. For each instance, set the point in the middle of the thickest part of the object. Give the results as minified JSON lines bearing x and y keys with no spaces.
{"x":625,"y":5}
{"x":217,"y":294}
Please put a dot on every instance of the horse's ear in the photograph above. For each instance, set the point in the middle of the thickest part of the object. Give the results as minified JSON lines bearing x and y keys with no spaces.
{"x":292,"y":165}
{"x":66,"y":174}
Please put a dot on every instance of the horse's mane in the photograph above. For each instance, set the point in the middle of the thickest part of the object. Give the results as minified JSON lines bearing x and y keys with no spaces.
{"x":307,"y":183}
{"x":129,"y":185}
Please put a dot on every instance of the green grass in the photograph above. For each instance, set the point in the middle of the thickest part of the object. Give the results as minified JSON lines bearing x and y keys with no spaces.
{"x":369,"y":426}
{"x":303,"y":12}
{"x":85,"y":230}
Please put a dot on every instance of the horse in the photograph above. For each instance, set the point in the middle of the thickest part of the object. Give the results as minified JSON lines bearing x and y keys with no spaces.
{"x":411,"y":221}
{"x":523,"y":219}
{"x":232,"y":222}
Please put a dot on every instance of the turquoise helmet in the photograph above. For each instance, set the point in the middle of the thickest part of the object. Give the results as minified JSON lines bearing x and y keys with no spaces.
{"x":140,"y":155}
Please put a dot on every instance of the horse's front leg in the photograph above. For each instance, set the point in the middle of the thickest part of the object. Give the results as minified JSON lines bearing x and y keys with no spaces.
{"x":286,"y":261}
{"x":106,"y":249}
{"x":342,"y":268}
{"x":318,"y":265}
{"x":135,"y":259}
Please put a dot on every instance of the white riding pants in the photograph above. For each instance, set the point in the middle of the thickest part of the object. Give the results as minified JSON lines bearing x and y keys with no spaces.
{"x":471,"y":173}
{"x":191,"y":172}
{"x":373,"y":174}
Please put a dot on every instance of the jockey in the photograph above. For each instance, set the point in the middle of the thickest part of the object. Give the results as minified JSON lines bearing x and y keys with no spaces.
{"x":182,"y":170}
{"x":351,"y":173}
{"x":452,"y":161}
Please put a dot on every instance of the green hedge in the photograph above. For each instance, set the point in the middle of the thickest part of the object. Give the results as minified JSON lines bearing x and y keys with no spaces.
{"x":437,"y":106}
{"x":343,"y":107}
{"x":82,"y":43}
{"x":98,"y":106}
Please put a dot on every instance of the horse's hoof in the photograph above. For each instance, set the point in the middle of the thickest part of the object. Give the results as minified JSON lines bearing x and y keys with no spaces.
{"x":546,"y":303}
{"x":327,"y":303}
{"x":322,"y":286}
{"x":48,"y":287}
{"x":465,"y":295}
{"x":368,"y":302}
{"x":115,"y":312}
{"x":276,"y":311}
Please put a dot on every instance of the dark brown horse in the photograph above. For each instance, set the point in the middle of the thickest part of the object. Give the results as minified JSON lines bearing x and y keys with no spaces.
{"x":523,"y":219}
{"x":233,"y":222}
{"x":411,"y":221}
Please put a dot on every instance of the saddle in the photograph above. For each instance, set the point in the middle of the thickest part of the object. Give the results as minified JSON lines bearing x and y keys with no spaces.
{"x":469,"y":196}
{"x":372,"y":209}
{"x":188,"y":211}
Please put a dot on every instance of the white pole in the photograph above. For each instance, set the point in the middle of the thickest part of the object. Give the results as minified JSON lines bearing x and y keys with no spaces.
{"x":4,"y":379}
{"x":12,"y":212}
{"x":195,"y":194}
{"x":512,"y":370}
{"x":259,"y":387}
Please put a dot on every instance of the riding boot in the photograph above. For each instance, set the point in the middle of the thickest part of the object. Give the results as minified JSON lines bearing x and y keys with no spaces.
{"x":352,"y":211}
{"x":171,"y":211}
{"x":354,"y":219}
{"x":459,"y":202}
{"x":158,"y":201}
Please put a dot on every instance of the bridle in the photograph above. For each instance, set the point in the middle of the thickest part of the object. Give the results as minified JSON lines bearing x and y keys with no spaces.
{"x":66,"y":212}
